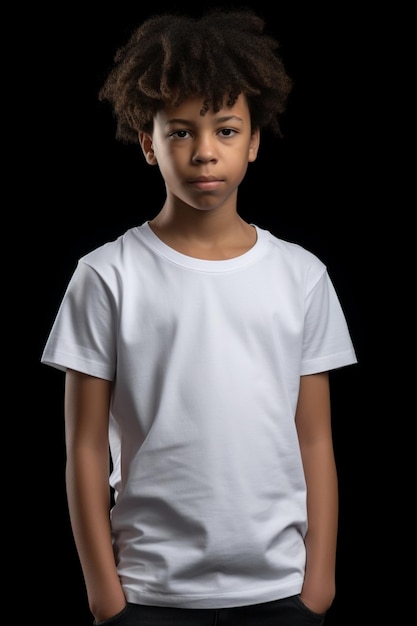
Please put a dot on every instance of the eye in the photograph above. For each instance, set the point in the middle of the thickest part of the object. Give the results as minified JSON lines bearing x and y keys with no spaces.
{"x":227,"y":132}
{"x":179,"y":134}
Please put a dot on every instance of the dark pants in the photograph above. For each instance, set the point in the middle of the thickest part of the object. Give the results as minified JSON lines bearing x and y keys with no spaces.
{"x":287,"y":612}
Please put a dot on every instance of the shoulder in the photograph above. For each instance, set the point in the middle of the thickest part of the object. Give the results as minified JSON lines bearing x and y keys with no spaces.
{"x":108,"y":265}
{"x":110,"y":251}
{"x":291,"y":249}
{"x":117,"y":256}
{"x":293,"y":256}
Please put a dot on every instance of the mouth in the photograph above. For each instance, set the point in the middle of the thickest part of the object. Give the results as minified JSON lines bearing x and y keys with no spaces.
{"x":205,"y":183}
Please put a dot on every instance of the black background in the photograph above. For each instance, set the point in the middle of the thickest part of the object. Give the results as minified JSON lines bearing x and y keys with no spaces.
{"x":313,"y":187}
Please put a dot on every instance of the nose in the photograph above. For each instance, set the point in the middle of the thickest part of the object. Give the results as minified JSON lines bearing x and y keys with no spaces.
{"x":204,"y":149}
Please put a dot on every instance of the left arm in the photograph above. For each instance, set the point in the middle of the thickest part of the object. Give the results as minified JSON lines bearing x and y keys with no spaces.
{"x":313,"y":421}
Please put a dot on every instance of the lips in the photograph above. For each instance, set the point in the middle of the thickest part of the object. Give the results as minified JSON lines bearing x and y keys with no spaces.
{"x":204,"y":179}
{"x":205,"y":183}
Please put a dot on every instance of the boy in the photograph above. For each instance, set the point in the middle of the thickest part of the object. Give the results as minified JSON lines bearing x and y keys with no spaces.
{"x":197,"y":346}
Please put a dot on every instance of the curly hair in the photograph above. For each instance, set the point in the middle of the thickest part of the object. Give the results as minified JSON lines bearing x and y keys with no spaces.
{"x":218,"y":56}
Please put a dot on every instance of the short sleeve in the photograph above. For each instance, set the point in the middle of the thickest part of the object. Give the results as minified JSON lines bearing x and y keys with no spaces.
{"x":83,"y":334}
{"x":327,"y":342}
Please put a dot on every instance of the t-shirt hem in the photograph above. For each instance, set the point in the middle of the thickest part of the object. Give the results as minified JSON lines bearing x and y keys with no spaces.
{"x":327,"y":363}
{"x":215,"y":601}
{"x":64,"y":361}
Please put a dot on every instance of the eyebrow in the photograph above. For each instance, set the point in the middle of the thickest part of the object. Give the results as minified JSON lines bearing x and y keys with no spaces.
{"x":218,"y":120}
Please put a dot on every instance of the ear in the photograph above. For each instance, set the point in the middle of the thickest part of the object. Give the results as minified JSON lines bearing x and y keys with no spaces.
{"x":146,"y":144}
{"x":254,"y":145}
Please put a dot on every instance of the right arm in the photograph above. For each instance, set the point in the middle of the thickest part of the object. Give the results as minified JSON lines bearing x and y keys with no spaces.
{"x":87,"y":404}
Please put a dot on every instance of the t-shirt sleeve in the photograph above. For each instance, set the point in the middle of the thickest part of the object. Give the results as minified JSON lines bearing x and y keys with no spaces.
{"x":83,"y":334}
{"x":327,"y":343}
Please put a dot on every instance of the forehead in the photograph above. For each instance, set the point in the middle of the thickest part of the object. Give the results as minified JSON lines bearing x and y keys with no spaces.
{"x":191,"y":109}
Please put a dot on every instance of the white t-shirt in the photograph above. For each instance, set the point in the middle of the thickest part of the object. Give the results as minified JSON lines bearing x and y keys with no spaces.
{"x":206,"y":358}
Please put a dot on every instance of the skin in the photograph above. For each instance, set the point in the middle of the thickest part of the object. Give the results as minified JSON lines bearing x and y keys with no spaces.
{"x":202,"y":159}
{"x":313,"y":421}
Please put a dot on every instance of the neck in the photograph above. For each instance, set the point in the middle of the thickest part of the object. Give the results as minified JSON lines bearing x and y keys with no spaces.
{"x":204,"y":234}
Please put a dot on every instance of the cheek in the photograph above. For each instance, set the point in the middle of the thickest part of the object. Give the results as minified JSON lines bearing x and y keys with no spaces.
{"x":173,"y":159}
{"x":169,"y":167}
